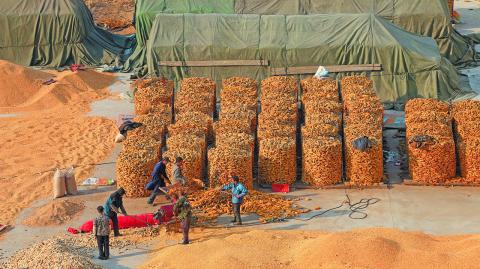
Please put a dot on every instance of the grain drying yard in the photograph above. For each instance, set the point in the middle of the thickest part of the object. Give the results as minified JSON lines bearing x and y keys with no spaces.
{"x":370,"y":161}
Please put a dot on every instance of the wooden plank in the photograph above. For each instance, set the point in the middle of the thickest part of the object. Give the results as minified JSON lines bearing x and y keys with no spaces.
{"x":298,"y":70}
{"x":215,"y":63}
{"x":423,"y":184}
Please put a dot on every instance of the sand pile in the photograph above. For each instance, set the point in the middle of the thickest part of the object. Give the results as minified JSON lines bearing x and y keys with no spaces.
{"x":365,"y":248}
{"x":22,"y":88}
{"x":58,"y":134}
{"x":55,"y":213}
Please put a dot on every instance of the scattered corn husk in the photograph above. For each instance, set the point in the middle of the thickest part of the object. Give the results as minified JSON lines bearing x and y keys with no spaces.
{"x":224,"y":162}
{"x":322,"y":161}
{"x":277,"y":160}
{"x":212,"y":203}
{"x":421,"y":104}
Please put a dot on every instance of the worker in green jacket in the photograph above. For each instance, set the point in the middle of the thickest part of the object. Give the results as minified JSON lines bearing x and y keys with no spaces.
{"x":183,"y":210}
{"x":238,"y":192}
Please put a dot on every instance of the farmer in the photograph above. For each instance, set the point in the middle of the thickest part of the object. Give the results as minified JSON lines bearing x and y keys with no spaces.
{"x":113,"y":206}
{"x":159,"y":176}
{"x":101,"y":230}
{"x":238,"y":192}
{"x":177,"y":172}
{"x":183,"y":210}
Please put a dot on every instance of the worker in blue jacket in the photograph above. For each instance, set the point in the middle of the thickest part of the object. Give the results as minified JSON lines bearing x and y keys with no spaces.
{"x":238,"y":192}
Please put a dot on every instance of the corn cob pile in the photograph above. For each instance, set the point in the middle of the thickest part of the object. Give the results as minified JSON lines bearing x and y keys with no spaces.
{"x":321,"y":145}
{"x":134,"y":167}
{"x":197,"y":95}
{"x":270,"y":207}
{"x":153,"y":95}
{"x":431,"y":148}
{"x":277,"y":127}
{"x":234,"y":133}
{"x":363,"y":114}
{"x":466,"y":116}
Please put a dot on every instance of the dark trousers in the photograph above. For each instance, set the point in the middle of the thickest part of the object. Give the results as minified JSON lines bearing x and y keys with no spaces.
{"x":236,"y":213}
{"x":186,"y":228}
{"x":103,"y":246}
{"x":156,"y":191}
{"x":114,"y":218}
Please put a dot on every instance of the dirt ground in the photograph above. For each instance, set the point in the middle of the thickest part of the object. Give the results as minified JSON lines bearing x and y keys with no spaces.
{"x":377,"y":248}
{"x":116,"y":15}
{"x":48,"y":129}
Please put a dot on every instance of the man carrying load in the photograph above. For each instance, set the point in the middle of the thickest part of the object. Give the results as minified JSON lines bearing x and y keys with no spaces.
{"x":238,"y":192}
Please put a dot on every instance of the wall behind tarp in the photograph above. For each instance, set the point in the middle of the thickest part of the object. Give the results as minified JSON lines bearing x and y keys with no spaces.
{"x":428,"y":18}
{"x":56,"y":33}
{"x":412,"y":64}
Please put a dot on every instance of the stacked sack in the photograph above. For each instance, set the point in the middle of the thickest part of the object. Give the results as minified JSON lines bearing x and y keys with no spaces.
{"x":363,"y":120}
{"x":142,"y":148}
{"x":466,"y":117}
{"x":321,"y":143}
{"x":277,"y":128}
{"x":235,"y":133}
{"x":192,"y":131}
{"x":431,"y":148}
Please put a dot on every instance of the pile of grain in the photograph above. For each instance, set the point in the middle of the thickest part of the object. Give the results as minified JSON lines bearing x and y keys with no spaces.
{"x":234,"y":133}
{"x":466,"y":116}
{"x":321,"y":145}
{"x":56,"y":212}
{"x":431,"y":148}
{"x":277,"y":128}
{"x":153,"y":95}
{"x":363,"y":114}
{"x":212,"y":203}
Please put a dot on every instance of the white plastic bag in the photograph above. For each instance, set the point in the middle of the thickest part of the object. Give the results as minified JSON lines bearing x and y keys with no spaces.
{"x":119,"y":138}
{"x":321,"y":73}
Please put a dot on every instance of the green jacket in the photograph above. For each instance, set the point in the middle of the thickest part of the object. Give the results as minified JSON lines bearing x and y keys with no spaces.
{"x":182,"y":208}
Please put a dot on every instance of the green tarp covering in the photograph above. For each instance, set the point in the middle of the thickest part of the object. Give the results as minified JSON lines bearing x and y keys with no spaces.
{"x":146,"y":10}
{"x":412,"y":64}
{"x":55,"y":33}
{"x":428,"y":18}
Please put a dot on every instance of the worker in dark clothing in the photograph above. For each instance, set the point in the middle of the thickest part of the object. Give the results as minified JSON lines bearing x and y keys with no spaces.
{"x":238,"y":192}
{"x":183,"y":210}
{"x":113,"y":206}
{"x":128,"y":126}
{"x":159,"y":176}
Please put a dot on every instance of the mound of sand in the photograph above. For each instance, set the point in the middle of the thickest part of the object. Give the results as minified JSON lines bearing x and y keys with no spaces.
{"x":19,"y":83}
{"x":365,"y":248}
{"x":24,"y":91}
{"x":55,"y":213}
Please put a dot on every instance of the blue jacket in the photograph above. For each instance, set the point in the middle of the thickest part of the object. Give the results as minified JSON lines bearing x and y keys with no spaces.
{"x":238,"y":192}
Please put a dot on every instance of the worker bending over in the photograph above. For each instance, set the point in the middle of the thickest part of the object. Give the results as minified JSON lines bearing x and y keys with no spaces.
{"x":238,"y":192}
{"x":159,"y":177}
{"x":177,"y":172}
{"x":113,"y":206}
{"x":183,"y":210}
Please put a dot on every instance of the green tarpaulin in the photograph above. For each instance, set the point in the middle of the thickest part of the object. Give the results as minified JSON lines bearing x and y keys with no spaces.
{"x":146,"y":10}
{"x":428,"y":18}
{"x":412,"y":64}
{"x":55,"y":33}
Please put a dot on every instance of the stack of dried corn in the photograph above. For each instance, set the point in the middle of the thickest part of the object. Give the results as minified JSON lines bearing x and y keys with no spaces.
{"x":431,"y":148}
{"x":466,"y":116}
{"x":134,"y":167}
{"x":363,"y":131}
{"x":235,"y":133}
{"x":277,"y":126}
{"x":321,"y":144}
{"x":193,"y":129}
{"x":153,"y":95}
